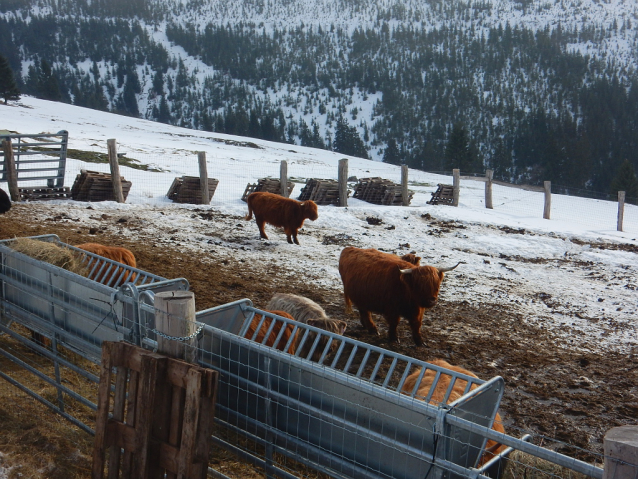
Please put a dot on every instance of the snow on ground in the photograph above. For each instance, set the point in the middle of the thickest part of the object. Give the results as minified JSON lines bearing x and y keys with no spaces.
{"x":574,"y":274}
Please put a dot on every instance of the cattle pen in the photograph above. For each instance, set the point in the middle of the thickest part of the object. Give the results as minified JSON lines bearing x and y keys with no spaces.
{"x":344,"y":415}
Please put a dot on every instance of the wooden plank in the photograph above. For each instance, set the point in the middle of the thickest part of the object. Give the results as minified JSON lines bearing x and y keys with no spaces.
{"x":119,"y":403}
{"x":190,"y":422}
{"x":134,"y":378}
{"x":102,"y":415}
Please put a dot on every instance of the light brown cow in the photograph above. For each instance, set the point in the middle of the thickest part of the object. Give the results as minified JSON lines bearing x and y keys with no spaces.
{"x":280,"y":211}
{"x":281,"y":344}
{"x":307,"y":311}
{"x":492,"y":448}
{"x":383,"y":283}
{"x":114,"y":274}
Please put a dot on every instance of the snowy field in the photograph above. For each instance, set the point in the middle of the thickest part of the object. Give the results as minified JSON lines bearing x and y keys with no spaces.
{"x":574,"y":273}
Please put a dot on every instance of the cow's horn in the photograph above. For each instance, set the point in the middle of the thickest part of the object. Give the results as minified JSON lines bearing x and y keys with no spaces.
{"x":406,"y":271}
{"x":445,"y":270}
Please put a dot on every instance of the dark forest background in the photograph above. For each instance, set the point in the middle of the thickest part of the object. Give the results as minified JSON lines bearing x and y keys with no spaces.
{"x":514,"y":100}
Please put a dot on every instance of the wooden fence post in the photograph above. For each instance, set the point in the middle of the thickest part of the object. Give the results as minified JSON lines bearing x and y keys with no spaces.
{"x":548,"y":199}
{"x":203,"y":177}
{"x":621,"y":209}
{"x":404,"y":185}
{"x":115,"y":170}
{"x":620,"y":446}
{"x":342,"y":178}
{"x":175,"y":317}
{"x":456,"y":186}
{"x":10,"y":170}
{"x":283,"y":178}
{"x":489,"y":175}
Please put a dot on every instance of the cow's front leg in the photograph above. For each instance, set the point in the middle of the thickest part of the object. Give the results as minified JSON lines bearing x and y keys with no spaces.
{"x":366,"y":321}
{"x":393,"y":323}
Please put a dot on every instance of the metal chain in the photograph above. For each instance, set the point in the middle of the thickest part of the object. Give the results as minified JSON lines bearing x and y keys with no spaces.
{"x":178,"y":338}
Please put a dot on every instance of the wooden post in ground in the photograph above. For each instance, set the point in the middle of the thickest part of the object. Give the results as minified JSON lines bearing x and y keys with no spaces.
{"x":621,"y":209}
{"x":342,"y":178}
{"x":489,"y":175}
{"x":283,"y":178}
{"x":10,"y":170}
{"x":203,"y":177}
{"x":456,"y":186}
{"x":621,"y":453}
{"x":404,"y":185}
{"x":115,"y":170}
{"x":548,"y":199}
{"x":175,"y":318}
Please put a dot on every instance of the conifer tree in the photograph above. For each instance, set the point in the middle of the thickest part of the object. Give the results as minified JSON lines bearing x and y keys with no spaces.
{"x":458,"y":153}
{"x":391,"y":154}
{"x":8,"y":88}
{"x":626,"y":181}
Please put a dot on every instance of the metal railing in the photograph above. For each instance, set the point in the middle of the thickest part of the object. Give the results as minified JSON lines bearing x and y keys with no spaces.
{"x":33,"y":157}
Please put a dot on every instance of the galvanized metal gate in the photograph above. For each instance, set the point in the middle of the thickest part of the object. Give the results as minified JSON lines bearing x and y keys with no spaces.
{"x":336,"y":406}
{"x":38,"y":157}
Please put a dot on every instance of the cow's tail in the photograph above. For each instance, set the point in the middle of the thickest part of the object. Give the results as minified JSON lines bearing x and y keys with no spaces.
{"x":249,"y":216}
{"x":348,"y":303}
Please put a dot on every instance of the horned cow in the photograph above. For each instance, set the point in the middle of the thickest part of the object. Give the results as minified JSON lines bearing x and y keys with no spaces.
{"x":280,"y":211}
{"x":492,"y":448}
{"x":383,"y":283}
{"x":115,"y":253}
{"x":307,"y":311}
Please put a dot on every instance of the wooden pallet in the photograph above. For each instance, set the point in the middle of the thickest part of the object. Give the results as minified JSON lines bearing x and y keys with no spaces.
{"x":187,"y":189}
{"x":96,"y":186}
{"x":44,"y":193}
{"x":380,"y":192}
{"x":162,"y":415}
{"x":322,"y":192}
{"x":271,"y":185}
{"x":444,"y":195}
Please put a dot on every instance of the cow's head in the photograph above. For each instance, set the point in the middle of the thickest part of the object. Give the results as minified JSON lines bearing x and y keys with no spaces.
{"x":309,"y":209}
{"x":424,"y":283}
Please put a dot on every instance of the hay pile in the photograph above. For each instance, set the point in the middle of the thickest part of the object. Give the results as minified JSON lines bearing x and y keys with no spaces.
{"x":50,"y":253}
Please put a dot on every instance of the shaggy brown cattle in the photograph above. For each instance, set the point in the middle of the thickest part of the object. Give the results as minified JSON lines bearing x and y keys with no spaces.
{"x":383,"y":283}
{"x":492,"y":448}
{"x":411,"y":258}
{"x":307,"y":311}
{"x":280,"y":211}
{"x":109,"y":273}
{"x":5,"y":201}
{"x":281,"y":344}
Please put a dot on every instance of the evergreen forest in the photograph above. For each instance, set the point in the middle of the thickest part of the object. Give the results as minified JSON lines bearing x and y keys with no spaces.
{"x":436,"y":87}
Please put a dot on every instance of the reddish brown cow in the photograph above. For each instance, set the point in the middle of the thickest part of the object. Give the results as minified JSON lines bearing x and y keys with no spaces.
{"x":280,"y":211}
{"x":116,"y":253}
{"x":274,"y":333}
{"x":383,"y":283}
{"x":411,"y":258}
{"x":492,"y":448}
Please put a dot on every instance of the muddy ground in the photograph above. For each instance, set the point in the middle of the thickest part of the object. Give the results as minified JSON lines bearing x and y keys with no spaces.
{"x":571,"y":398}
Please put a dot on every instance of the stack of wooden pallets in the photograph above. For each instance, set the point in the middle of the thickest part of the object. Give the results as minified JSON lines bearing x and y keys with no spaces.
{"x":187,"y":189}
{"x":45,"y":193}
{"x":444,"y":195}
{"x":96,"y":186}
{"x":322,"y":192}
{"x":380,"y":192}
{"x":270,"y":185}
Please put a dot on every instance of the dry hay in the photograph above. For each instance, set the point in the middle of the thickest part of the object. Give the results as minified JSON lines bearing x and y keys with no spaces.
{"x":50,"y":253}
